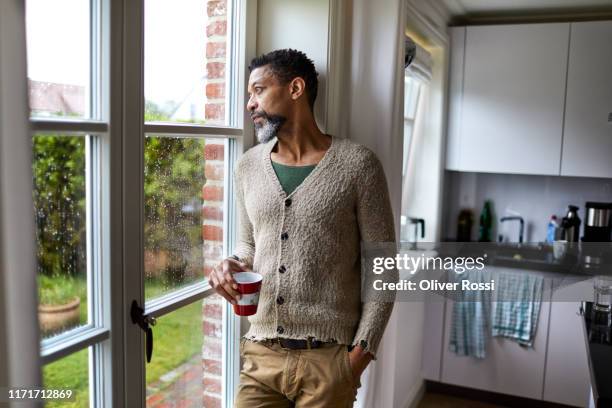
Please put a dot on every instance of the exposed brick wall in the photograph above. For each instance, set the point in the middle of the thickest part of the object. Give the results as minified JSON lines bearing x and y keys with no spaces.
{"x":216,"y":51}
{"x":212,"y":196}
{"x":212,"y":234}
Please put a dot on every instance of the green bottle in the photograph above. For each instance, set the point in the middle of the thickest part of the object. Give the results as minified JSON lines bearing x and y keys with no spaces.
{"x":486,"y":222}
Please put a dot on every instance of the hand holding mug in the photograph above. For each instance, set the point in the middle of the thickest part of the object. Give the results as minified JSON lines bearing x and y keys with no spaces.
{"x":221,"y":278}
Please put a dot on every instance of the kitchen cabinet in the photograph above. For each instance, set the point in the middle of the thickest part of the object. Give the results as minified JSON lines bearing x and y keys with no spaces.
{"x":508,"y":368}
{"x":507,"y":98}
{"x":455,"y":95}
{"x":567,"y":379}
{"x":587,"y":136}
{"x":554,"y":370}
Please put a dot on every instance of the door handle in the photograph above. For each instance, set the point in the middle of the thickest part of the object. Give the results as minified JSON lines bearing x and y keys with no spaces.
{"x":144,"y":322}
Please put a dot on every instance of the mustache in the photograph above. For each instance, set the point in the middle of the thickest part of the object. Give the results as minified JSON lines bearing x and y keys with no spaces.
{"x":260,"y":114}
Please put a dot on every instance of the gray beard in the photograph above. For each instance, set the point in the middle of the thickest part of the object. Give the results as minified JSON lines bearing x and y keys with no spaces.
{"x":269,"y":129}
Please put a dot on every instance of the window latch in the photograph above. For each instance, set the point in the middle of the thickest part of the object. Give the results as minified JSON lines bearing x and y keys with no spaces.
{"x":144,"y":322}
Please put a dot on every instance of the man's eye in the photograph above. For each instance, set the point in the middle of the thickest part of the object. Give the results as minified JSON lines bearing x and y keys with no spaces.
{"x":258,"y":89}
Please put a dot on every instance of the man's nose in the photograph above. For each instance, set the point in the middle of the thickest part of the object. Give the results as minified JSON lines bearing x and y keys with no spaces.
{"x":251,"y":104}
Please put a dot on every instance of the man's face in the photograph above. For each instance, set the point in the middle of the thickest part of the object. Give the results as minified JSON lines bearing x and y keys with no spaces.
{"x":268,"y":104}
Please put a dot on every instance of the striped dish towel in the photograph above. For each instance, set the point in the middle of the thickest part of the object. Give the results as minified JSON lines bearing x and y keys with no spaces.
{"x":469,"y":330}
{"x":516,"y":306}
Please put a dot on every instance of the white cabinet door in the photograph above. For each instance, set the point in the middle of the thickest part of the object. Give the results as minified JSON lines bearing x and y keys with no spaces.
{"x":455,"y":96}
{"x":587,"y":138}
{"x":508,"y":368}
{"x":567,"y":379}
{"x":513,"y":98}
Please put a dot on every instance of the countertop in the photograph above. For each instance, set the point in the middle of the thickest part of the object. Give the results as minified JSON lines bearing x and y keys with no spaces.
{"x":598,"y":338}
{"x":581,"y":259}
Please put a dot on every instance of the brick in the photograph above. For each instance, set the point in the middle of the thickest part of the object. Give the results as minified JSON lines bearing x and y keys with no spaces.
{"x":212,"y":193}
{"x":211,"y":212}
{"x":214,"y":171}
{"x":155,"y":399}
{"x":211,"y":402}
{"x":212,"y":349}
{"x":216,"y":28}
{"x":212,"y":366}
{"x":212,"y":233}
{"x":213,"y":311}
{"x":213,"y":252}
{"x":215,"y":112}
{"x":213,"y":329}
{"x":213,"y":151}
{"x":215,"y":70}
{"x":206,"y":270}
{"x":215,"y":50}
{"x":212,"y":385}
{"x":216,"y":8}
{"x":215,"y":91}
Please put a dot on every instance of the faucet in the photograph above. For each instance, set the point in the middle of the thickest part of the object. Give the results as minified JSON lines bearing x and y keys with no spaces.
{"x":516,"y":218}
{"x":417,"y":221}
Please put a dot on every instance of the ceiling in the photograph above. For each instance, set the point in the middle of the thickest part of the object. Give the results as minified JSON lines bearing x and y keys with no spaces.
{"x":475,"y":9}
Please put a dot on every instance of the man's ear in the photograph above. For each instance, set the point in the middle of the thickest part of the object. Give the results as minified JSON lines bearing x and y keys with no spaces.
{"x":297,"y":87}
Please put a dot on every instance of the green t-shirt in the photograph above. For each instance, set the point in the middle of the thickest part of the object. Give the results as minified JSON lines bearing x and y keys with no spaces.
{"x":291,"y":176}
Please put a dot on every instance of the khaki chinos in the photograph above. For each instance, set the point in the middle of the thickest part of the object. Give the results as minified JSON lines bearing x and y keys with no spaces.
{"x":276,"y":377}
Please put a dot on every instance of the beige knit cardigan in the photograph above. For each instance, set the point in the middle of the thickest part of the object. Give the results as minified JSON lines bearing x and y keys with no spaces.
{"x":307,"y":244}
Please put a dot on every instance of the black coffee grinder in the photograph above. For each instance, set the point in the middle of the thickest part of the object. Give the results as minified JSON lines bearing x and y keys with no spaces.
{"x":598,"y":222}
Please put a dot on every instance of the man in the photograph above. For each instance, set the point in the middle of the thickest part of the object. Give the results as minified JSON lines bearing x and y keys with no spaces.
{"x":305,"y":200}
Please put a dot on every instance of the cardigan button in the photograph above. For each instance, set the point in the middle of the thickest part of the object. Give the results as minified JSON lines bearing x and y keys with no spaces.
{"x":280,"y":330}
{"x":284,"y":236}
{"x":282,"y":269}
{"x":287,"y":202}
{"x":280,"y":300}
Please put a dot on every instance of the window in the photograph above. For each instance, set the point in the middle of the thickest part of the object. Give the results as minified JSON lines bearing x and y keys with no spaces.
{"x":132,"y":195}
{"x":416,"y":85}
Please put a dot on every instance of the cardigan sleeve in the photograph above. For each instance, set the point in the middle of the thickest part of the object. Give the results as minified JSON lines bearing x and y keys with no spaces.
{"x":245,"y":247}
{"x":376,"y":224}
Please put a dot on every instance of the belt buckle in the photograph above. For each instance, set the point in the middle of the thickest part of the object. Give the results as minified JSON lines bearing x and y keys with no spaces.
{"x":309,"y":343}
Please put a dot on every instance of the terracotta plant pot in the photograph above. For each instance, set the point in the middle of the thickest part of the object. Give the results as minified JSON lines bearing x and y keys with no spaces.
{"x":53,"y":318}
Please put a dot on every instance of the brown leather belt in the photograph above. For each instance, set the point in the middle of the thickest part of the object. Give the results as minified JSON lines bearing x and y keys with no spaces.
{"x":298,"y":344}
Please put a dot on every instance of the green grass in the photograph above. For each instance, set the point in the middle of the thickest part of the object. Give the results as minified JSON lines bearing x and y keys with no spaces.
{"x":69,"y":373}
{"x":177,"y":337}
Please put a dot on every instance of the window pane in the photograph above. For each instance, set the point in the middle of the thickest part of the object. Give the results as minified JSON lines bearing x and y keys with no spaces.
{"x":60,"y":213}
{"x":58,"y":47}
{"x":186,"y":61}
{"x":411,"y":97}
{"x":183,"y":210}
{"x":185,"y":370}
{"x":69,"y":373}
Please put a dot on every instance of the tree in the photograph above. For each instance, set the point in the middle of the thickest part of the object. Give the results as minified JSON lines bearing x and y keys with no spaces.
{"x":59,"y":202}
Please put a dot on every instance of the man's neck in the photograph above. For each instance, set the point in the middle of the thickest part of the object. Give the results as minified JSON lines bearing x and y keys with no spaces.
{"x":300,"y":145}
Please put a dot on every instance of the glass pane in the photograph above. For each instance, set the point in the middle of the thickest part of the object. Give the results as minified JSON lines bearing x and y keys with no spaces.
{"x":411,"y":97}
{"x":186,"y":55}
{"x":59,"y":183}
{"x":58,"y":47}
{"x":183,"y":210}
{"x":69,"y":373}
{"x":185,"y":370}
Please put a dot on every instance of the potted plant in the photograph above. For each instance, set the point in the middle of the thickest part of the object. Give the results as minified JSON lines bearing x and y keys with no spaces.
{"x":59,"y":304}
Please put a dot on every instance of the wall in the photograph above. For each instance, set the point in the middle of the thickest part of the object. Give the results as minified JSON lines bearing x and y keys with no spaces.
{"x":535,"y":198}
{"x":302,"y":25}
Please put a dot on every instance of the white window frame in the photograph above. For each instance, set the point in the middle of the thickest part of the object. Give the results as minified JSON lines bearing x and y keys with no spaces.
{"x":115,"y":213}
{"x":133,"y":112}
{"x":19,"y":336}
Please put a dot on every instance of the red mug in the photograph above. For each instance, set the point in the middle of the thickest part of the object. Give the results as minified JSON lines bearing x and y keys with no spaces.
{"x":249,"y":285}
